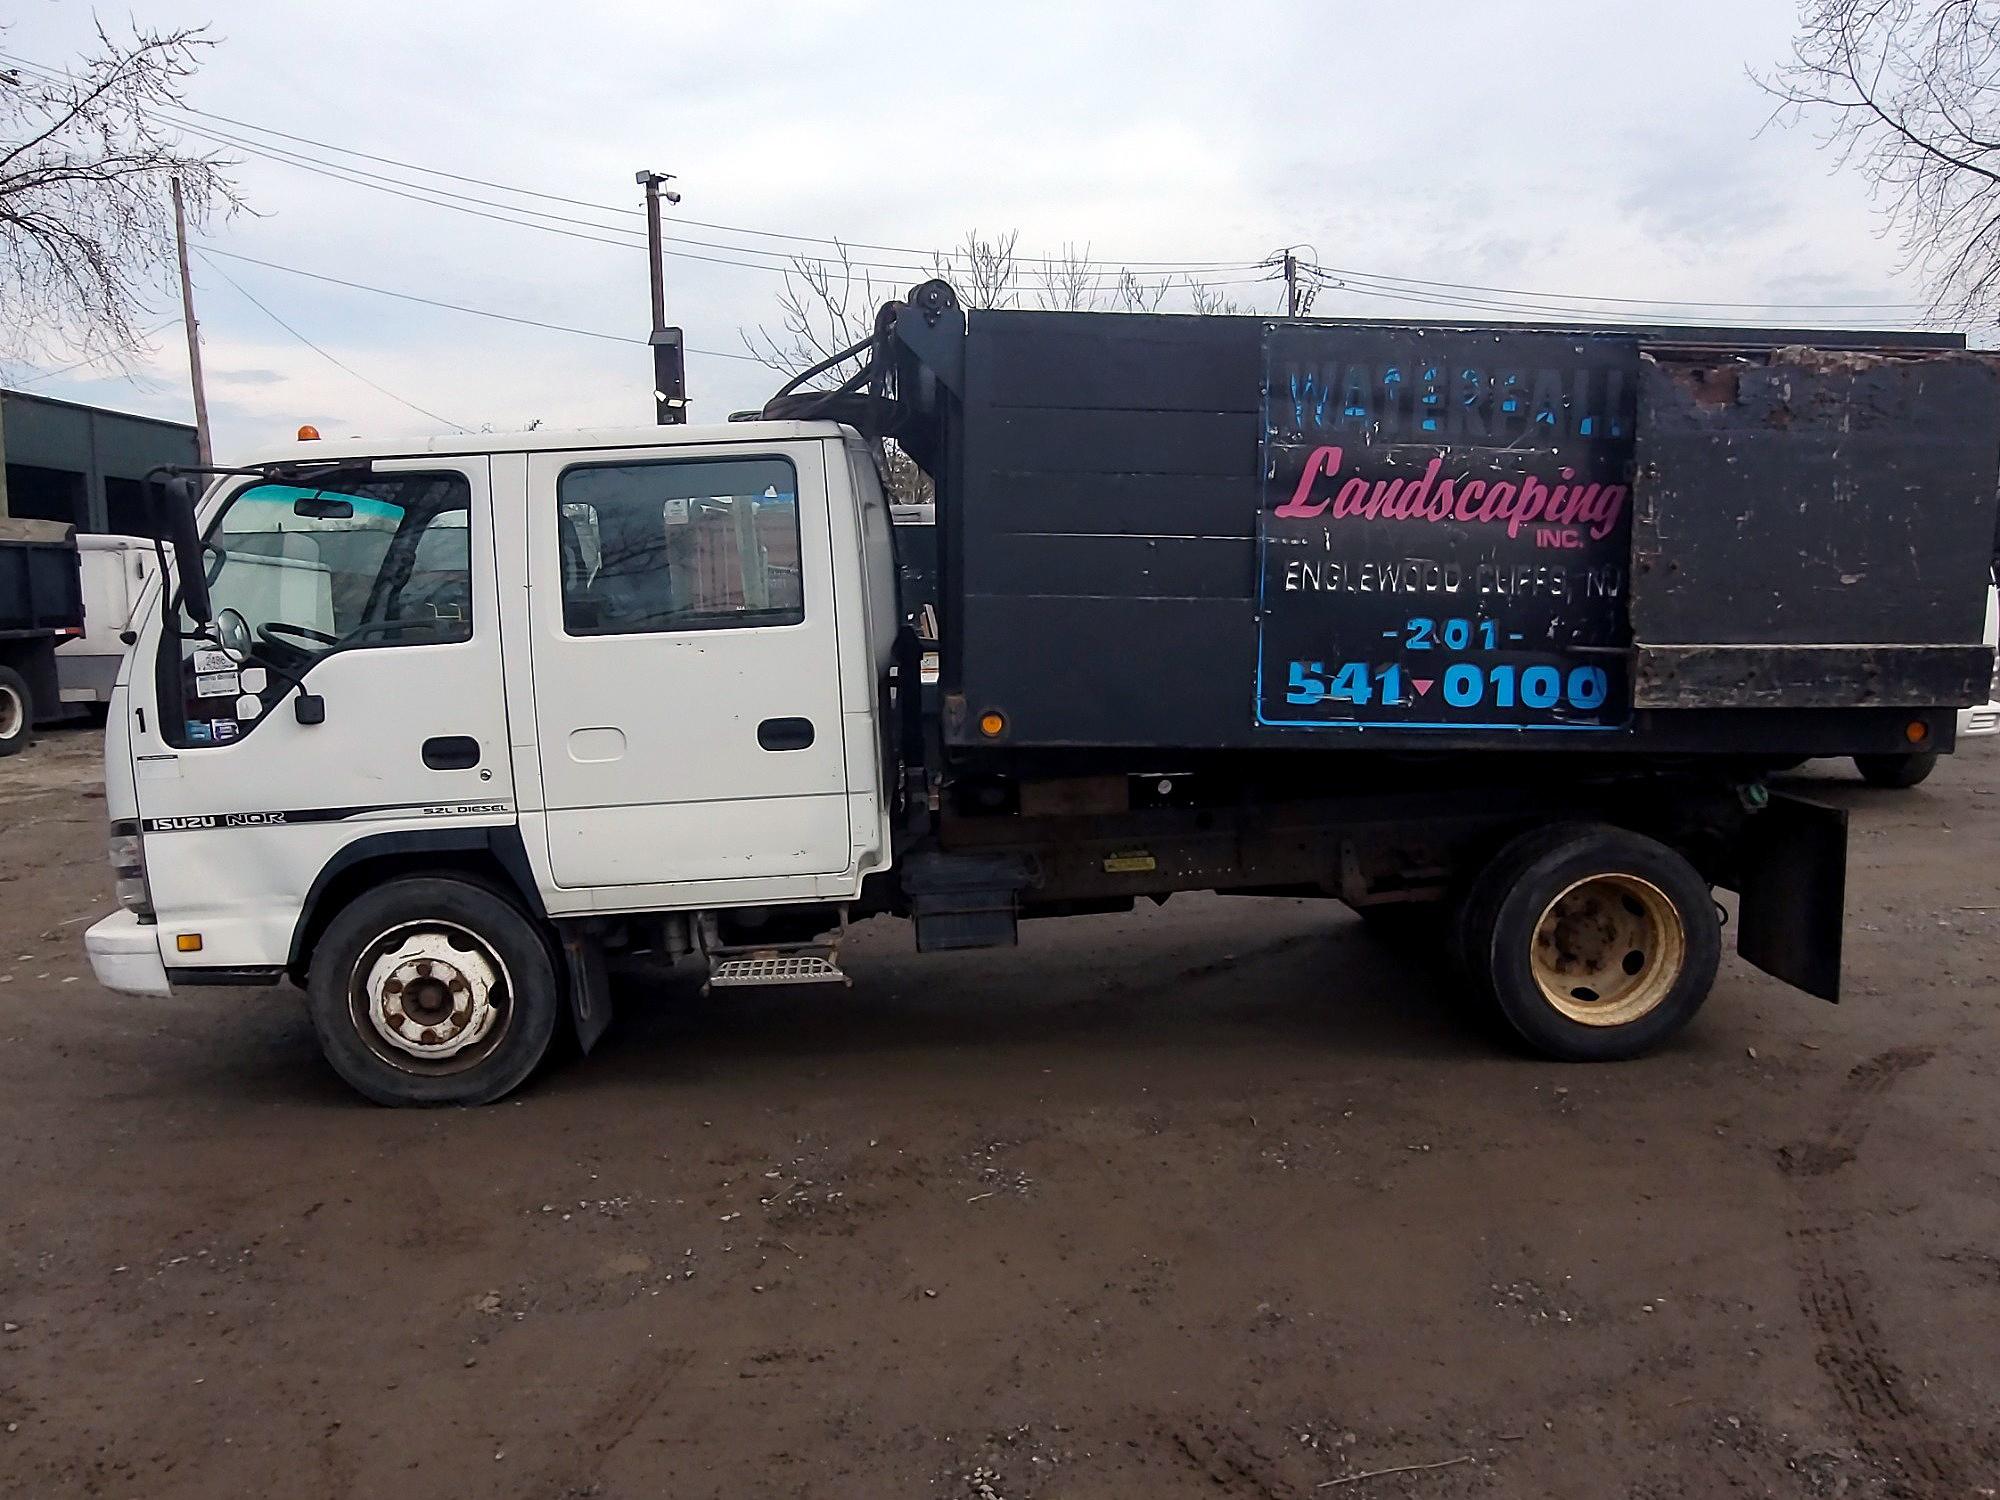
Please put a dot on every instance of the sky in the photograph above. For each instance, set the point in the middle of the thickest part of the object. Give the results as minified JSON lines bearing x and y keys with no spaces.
{"x":1565,"y":149}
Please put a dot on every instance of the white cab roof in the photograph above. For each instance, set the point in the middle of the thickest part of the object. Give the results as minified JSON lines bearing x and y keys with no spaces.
{"x":545,"y":441}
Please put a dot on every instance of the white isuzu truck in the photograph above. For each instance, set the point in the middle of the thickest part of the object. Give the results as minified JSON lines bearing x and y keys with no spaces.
{"x":1490,"y":634}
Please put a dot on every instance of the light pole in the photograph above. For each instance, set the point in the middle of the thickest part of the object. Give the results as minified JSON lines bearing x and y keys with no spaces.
{"x":202,"y":452}
{"x":669,"y":364}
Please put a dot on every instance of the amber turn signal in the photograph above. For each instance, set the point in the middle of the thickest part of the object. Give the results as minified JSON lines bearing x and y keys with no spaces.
{"x":187,"y":942}
{"x":990,"y":724}
{"x":1916,"y":731}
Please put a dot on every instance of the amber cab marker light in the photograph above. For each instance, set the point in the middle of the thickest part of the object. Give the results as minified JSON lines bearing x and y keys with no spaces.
{"x":1916,"y":731}
{"x":308,"y":433}
{"x":188,"y":942}
{"x":990,"y":724}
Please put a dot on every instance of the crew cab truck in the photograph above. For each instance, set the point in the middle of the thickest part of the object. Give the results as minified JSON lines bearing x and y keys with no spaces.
{"x":1490,"y":633}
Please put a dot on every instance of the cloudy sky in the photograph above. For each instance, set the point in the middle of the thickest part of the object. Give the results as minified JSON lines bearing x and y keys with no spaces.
{"x":1563,"y":149}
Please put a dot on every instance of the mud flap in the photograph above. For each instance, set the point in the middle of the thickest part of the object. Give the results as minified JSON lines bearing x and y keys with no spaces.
{"x":589,"y":989}
{"x":1794,"y":894}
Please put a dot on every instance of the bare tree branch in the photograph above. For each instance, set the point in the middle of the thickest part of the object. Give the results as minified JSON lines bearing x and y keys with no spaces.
{"x":828,"y":305}
{"x":86,"y":234}
{"x":1211,"y":301}
{"x":1069,"y":282}
{"x":1909,"y":93}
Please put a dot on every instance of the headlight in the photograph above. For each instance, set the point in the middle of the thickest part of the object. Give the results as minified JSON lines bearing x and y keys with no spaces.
{"x":128,"y":864}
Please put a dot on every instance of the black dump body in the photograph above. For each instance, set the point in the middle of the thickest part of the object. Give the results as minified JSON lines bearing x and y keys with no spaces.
{"x":1201,"y":533}
{"x":41,"y":589}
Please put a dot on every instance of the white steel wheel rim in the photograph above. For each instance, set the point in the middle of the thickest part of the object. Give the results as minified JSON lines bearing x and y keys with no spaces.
{"x":13,"y":713}
{"x":431,"y":996}
{"x":1608,"y":949}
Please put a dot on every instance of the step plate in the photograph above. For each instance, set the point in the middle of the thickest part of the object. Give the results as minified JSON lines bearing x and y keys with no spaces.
{"x":739,"y":973}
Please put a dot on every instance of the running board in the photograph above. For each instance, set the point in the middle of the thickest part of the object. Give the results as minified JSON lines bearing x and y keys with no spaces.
{"x":741,"y":971}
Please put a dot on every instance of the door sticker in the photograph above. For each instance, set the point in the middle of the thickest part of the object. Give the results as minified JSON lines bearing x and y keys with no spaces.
{"x":249,"y":706}
{"x":213,"y":661}
{"x":215,"y":684}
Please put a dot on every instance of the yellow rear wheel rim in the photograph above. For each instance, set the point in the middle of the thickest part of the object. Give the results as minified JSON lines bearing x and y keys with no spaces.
{"x":1608,"y":949}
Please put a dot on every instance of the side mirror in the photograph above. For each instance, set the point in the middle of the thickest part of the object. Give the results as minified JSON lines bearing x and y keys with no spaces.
{"x":178,"y":495}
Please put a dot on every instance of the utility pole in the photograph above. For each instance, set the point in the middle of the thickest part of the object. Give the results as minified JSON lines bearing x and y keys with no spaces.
{"x":669,"y":361}
{"x":201,"y":448}
{"x":1291,"y":285}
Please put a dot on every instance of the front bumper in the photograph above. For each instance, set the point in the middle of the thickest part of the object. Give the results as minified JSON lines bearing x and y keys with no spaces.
{"x":125,"y":955}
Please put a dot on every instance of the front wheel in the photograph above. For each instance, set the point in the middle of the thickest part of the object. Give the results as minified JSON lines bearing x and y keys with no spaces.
{"x":432,"y":990}
{"x":1595,"y":943}
{"x":1896,"y":770}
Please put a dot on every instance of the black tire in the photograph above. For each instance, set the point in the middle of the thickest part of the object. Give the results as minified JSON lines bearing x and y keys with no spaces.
{"x":17,"y":712}
{"x":1472,"y":913}
{"x":467,"y":925}
{"x":1896,"y":771}
{"x":1545,"y":922}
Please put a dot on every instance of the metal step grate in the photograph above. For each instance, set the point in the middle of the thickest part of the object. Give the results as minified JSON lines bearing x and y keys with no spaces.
{"x":799,"y":968}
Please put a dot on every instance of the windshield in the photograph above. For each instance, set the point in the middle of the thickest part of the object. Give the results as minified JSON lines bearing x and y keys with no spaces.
{"x":350,"y":560}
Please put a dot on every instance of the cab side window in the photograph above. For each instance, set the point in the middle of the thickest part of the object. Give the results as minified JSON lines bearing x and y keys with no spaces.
{"x":679,"y":544}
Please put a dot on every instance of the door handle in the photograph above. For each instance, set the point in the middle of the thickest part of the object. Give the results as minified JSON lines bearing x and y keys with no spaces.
{"x":785,"y":734}
{"x":451,"y":752}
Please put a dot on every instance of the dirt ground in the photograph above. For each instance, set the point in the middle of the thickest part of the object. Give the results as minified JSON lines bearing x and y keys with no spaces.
{"x":1216,"y":1200}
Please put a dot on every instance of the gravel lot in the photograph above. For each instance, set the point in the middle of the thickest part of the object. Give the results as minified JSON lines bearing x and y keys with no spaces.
{"x":1220,"y":1199}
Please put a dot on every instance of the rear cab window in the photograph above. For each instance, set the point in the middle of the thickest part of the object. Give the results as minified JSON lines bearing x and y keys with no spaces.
{"x":679,"y":544}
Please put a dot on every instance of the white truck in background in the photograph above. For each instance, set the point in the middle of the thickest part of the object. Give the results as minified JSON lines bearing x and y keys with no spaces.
{"x":115,"y":570}
{"x":1984,"y":718}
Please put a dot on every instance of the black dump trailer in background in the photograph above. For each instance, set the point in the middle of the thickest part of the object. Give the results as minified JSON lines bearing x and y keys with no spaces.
{"x":41,"y":606}
{"x":1491,"y":632}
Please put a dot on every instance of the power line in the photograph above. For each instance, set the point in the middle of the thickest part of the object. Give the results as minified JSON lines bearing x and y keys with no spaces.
{"x":529,"y":218}
{"x":94,"y":358}
{"x":1517,"y":310}
{"x":927,"y":254}
{"x":1390,"y":285}
{"x":1102,"y":273}
{"x":330,"y":359}
{"x":458,"y":307}
{"x":1461,"y":286}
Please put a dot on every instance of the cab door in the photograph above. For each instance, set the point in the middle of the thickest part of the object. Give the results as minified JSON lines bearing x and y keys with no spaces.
{"x":372,"y":589}
{"x":687,"y":695}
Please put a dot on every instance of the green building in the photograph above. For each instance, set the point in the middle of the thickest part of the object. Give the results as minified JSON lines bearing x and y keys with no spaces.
{"x":82,"y":464}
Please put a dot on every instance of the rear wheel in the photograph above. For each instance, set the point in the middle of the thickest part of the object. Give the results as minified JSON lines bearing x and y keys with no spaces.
{"x":432,"y":990}
{"x":17,"y":712}
{"x":1594,"y":943}
{"x":1896,"y":770}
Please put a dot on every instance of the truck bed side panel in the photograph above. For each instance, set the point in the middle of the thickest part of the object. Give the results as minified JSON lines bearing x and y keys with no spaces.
{"x":1814,"y":530}
{"x":1104,"y":532}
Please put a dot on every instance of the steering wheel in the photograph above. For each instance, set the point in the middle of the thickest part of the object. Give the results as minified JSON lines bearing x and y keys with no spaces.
{"x":272,"y":632}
